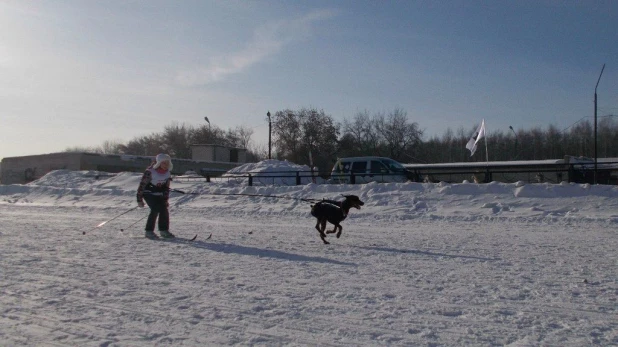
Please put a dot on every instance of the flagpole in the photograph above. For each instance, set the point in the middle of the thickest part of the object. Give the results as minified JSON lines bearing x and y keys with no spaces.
{"x":487,"y":179}
{"x":486,"y":152}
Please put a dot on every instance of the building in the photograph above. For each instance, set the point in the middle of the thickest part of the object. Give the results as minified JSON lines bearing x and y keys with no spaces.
{"x":218,"y":153}
{"x":24,"y":169}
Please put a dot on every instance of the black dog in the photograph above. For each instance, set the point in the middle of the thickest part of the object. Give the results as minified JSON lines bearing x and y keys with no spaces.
{"x":333,"y":212}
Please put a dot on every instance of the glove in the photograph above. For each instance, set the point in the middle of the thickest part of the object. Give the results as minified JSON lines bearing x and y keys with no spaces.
{"x":140,"y":203}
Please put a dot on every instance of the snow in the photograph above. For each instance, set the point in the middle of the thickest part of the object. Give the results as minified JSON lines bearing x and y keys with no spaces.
{"x":421,"y":264}
{"x":271,"y":172}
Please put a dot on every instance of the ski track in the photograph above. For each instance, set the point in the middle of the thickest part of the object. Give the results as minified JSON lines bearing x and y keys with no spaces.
{"x":398,"y":283}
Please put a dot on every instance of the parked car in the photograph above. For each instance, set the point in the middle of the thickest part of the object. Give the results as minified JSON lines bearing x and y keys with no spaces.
{"x":369,"y":169}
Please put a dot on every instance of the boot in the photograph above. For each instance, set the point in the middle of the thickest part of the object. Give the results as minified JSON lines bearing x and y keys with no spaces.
{"x":151,"y":235}
{"x":166,"y":234}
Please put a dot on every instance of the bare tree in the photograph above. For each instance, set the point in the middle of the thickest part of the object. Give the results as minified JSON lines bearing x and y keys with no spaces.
{"x":243,"y":134}
{"x":287,"y":134}
{"x":299,"y":133}
{"x":177,"y":140}
{"x":107,"y":147}
{"x":82,"y":149}
{"x":112,"y":147}
{"x":608,"y":137}
{"x":581,"y":138}
{"x":554,"y":143}
{"x":149,"y":145}
{"x":398,"y":135}
{"x":319,"y":138}
{"x":256,"y":153}
{"x":203,"y":135}
{"x":361,"y":134}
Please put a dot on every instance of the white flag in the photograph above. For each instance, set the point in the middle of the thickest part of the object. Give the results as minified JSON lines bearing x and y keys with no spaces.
{"x":474,"y":140}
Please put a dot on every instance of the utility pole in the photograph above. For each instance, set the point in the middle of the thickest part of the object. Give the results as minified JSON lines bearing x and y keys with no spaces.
{"x":270,"y":130}
{"x":595,"y":125}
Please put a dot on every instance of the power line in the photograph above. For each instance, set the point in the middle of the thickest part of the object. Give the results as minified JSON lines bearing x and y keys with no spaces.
{"x":581,"y":119}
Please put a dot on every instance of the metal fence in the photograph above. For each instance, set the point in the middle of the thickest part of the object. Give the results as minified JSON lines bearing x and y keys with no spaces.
{"x":607,"y":173}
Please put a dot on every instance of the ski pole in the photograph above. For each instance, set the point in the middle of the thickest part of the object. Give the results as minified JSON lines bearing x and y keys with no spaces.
{"x":111,"y":219}
{"x":182,"y":191}
{"x":132,"y":224}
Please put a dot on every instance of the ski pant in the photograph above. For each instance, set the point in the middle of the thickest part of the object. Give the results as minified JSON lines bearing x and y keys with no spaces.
{"x":158,"y":208}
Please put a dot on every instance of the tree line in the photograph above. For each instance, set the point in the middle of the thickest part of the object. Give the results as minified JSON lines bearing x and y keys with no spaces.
{"x":527,"y":144}
{"x":176,"y":140}
{"x":312,"y":137}
{"x":393,"y":135}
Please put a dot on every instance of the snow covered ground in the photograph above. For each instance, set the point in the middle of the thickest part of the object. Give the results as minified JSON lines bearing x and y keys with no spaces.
{"x":418,"y":265}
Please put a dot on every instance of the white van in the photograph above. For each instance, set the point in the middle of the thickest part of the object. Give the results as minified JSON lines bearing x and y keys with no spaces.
{"x":369,"y":169}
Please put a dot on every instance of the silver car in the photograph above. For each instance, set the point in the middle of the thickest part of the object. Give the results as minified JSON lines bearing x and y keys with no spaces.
{"x":369,"y":169}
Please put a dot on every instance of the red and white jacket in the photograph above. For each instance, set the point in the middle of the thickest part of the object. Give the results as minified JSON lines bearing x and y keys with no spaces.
{"x":154,"y":182}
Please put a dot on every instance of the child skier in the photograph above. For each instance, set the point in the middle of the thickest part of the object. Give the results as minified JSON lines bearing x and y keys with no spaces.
{"x":155,"y":189}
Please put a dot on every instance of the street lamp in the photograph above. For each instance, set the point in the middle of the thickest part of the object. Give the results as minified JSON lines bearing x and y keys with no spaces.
{"x":595,"y":125}
{"x":516,"y":153}
{"x":214,"y":149}
{"x":270,"y":129}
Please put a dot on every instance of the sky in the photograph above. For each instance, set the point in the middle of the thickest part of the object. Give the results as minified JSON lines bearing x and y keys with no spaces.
{"x":420,"y":264}
{"x":79,"y":73}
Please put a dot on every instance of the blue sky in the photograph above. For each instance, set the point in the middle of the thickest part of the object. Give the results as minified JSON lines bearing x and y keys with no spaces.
{"x":78,"y":73}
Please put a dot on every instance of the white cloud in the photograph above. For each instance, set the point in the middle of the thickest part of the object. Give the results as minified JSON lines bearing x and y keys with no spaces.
{"x":268,"y":40}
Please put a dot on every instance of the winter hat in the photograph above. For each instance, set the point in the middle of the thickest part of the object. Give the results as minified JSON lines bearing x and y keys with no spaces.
{"x":161,"y":158}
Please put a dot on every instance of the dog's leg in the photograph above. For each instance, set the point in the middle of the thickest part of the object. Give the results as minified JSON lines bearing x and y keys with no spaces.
{"x":332,"y":231}
{"x":322,"y":226}
{"x":340,"y":230}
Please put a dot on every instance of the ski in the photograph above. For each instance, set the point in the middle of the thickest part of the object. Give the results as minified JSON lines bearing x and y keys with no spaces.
{"x":178,"y":239}
{"x":181,"y":239}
